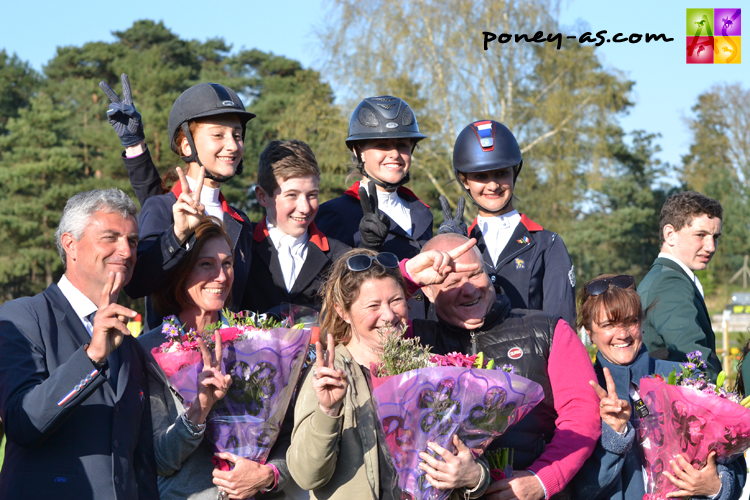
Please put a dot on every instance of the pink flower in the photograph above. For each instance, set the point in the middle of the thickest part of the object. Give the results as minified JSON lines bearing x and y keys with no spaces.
{"x":497,"y":474}
{"x":229,"y":334}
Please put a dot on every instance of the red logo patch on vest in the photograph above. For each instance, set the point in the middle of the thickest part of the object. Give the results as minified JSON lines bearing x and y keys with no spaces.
{"x":515,"y":353}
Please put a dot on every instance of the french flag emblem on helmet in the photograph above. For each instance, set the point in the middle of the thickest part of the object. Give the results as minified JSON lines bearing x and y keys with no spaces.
{"x":485,"y":134}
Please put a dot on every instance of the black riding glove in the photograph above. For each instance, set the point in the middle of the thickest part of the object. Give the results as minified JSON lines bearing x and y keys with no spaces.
{"x":453,"y":224}
{"x":122,"y":114}
{"x":375,"y":224}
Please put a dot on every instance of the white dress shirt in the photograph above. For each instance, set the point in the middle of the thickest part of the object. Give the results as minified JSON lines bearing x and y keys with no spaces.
{"x":292,"y":253}
{"x":396,"y":208}
{"x":497,"y":231}
{"x":209,"y":198}
{"x":81,"y":304}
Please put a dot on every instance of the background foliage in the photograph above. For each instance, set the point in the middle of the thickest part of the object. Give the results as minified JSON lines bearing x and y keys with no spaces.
{"x":584,"y":177}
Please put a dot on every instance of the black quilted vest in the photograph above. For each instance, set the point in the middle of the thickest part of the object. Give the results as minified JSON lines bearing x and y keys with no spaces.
{"x":504,"y":330}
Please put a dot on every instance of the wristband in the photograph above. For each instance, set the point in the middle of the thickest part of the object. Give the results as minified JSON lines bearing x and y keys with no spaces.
{"x":193,"y":429}
{"x":467,"y":492}
{"x":275,"y":479}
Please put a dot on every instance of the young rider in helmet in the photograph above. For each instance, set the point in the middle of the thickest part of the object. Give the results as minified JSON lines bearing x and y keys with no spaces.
{"x":207,"y":130}
{"x":530,"y":263}
{"x":383,"y":132}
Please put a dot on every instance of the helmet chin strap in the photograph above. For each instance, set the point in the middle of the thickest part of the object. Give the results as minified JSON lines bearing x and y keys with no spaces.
{"x":194,"y":158}
{"x":388,"y":186}
{"x":468,"y":193}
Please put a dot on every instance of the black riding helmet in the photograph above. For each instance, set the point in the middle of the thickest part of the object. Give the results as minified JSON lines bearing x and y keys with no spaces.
{"x":382,"y":117}
{"x":483,"y":146}
{"x":202,"y":101}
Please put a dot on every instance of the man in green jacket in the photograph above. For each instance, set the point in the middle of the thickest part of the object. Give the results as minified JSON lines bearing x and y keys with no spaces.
{"x":676,"y":319}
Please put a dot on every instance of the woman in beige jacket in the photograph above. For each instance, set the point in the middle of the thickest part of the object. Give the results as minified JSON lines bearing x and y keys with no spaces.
{"x":335,"y":450}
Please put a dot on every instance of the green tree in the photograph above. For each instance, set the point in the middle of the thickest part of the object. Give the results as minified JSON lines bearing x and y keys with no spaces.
{"x":562,"y":105}
{"x":618,"y":231}
{"x":18,"y":82}
{"x":58,"y":140}
{"x":718,"y":165}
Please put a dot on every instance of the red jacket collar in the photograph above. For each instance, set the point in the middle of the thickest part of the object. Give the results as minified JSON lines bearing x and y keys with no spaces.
{"x":531,"y":226}
{"x":316,"y":236}
{"x":177,"y":191}
{"x":353,"y":191}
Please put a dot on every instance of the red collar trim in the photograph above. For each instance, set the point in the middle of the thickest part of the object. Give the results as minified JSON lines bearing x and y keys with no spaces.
{"x":528,"y":223}
{"x":353,"y":191}
{"x":316,"y":236}
{"x":473,"y":225}
{"x":177,"y":191}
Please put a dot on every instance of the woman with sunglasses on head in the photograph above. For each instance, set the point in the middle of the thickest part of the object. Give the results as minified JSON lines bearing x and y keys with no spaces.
{"x":335,"y":450}
{"x":610,"y":312}
{"x":530,"y":263}
{"x":378,"y":212}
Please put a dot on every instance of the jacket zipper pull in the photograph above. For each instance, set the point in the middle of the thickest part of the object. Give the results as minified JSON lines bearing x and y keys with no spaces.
{"x":473,"y":344}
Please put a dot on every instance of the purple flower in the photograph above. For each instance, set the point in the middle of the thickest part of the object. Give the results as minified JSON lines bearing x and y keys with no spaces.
{"x":509,"y":368}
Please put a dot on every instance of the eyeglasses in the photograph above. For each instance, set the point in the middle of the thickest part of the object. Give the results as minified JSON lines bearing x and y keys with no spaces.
{"x":362,"y":262}
{"x":598,"y":287}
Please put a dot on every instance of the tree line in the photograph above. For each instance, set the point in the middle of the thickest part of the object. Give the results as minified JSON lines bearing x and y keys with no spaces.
{"x":600,"y":187}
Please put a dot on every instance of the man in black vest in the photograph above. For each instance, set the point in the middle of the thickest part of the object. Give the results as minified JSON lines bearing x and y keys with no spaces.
{"x":552,"y":442}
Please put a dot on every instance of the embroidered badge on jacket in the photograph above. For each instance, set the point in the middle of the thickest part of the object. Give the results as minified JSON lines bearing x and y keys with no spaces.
{"x":520,"y":264}
{"x":523,"y":240}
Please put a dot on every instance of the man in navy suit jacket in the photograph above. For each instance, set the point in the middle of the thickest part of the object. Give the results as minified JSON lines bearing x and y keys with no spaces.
{"x":73,"y":391}
{"x":676,"y":320}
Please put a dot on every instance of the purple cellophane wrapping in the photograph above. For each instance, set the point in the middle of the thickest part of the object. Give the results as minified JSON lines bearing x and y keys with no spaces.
{"x":433,"y":404}
{"x":685,"y":421}
{"x":264,"y":371}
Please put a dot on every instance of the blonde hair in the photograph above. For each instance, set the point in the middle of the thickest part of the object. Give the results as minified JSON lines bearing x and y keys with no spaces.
{"x":342,"y":289}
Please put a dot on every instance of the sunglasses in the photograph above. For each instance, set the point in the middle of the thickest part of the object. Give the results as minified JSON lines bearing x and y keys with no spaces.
{"x":598,"y":287}
{"x":358,"y":263}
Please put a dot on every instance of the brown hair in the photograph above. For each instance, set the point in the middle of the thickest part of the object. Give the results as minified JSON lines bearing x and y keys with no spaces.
{"x":680,"y":209}
{"x":284,"y":160}
{"x":171,"y":297}
{"x":621,"y":305}
{"x":342,"y":289}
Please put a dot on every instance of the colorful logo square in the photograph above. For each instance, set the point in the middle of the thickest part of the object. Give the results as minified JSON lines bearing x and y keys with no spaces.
{"x":700,"y":49}
{"x":728,"y":22}
{"x":700,"y":22}
{"x":713,"y":36}
{"x":727,"y":50}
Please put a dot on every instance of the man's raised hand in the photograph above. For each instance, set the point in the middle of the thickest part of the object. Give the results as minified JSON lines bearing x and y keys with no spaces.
{"x":110,"y":321}
{"x":434,"y":266}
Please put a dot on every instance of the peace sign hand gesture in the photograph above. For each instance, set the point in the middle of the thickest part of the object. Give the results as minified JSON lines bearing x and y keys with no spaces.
{"x":110,"y":321}
{"x":374,"y":225}
{"x":188,"y":211}
{"x":122,"y":114}
{"x":614,"y":411}
{"x":433,"y":267}
{"x":212,"y":383}
{"x":329,"y":383}
{"x":453,"y":224}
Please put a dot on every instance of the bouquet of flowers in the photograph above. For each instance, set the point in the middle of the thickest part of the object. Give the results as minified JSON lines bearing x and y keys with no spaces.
{"x":690,"y":416}
{"x":419,"y":397}
{"x":263,"y":355}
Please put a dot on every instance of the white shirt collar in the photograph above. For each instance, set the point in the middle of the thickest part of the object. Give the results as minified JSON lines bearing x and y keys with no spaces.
{"x":391,"y":204}
{"x":685,"y":268}
{"x":497,"y":231}
{"x":279,"y":237}
{"x":209,"y":198}
{"x":81,"y":304}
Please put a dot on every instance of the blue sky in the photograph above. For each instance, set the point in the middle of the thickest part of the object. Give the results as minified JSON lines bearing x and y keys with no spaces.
{"x":666,"y":87}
